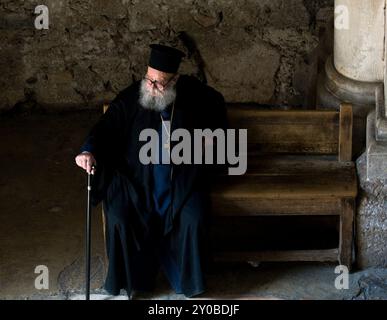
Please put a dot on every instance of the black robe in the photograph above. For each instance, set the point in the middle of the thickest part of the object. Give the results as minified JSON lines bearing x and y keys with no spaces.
{"x":137,"y":239}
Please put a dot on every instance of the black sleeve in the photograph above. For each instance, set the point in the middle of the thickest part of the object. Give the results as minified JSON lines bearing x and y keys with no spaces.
{"x":105,"y":136}
{"x":104,"y":141}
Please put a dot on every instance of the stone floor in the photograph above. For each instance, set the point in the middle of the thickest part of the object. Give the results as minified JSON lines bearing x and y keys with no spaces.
{"x":269,"y":281}
{"x":42,"y":208}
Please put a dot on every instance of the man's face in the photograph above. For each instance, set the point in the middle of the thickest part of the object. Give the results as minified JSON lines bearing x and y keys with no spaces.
{"x":157,"y":89}
{"x":161,"y":80}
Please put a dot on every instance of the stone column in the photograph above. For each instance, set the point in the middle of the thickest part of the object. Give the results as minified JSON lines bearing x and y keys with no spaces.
{"x":357,"y":63}
{"x":359,"y":49}
{"x":355,"y":73}
{"x":356,"y":67}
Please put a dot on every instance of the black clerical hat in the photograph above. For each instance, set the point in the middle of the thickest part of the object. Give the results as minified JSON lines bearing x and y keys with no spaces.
{"x":164,"y":58}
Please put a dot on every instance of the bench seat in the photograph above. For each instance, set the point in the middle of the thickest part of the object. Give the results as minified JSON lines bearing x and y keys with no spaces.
{"x":287,"y":177}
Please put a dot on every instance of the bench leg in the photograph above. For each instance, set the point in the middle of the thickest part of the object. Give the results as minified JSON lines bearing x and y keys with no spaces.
{"x":346,"y":232}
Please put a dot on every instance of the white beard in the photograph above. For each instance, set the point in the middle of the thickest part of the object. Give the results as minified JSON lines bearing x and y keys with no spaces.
{"x":157,"y":102}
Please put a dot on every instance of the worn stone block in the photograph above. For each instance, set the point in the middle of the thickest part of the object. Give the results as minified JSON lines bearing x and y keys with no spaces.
{"x":371,"y":218}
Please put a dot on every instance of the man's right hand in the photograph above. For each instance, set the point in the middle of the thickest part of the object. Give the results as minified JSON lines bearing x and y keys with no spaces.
{"x":86,"y":160}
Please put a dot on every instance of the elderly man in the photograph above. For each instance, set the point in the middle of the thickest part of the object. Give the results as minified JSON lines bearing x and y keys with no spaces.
{"x":157,"y":215}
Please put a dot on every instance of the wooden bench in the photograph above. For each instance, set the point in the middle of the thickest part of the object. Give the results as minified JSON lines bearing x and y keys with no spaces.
{"x":299,"y":164}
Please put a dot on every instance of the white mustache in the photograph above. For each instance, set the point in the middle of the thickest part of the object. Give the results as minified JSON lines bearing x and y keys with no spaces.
{"x":157,"y":102}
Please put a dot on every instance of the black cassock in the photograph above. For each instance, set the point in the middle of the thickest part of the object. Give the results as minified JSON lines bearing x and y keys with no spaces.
{"x":138,"y":238}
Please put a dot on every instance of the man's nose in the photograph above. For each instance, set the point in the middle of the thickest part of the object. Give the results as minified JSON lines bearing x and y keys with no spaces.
{"x":155,"y":88}
{"x":149,"y":84}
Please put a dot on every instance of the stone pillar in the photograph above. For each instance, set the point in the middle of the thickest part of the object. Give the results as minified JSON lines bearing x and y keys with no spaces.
{"x":356,"y":73}
{"x":357,"y":64}
{"x":359,"y":49}
{"x":356,"y":67}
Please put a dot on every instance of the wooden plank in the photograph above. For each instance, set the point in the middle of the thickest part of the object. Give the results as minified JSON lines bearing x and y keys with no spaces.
{"x":296,"y":131}
{"x":297,"y":165}
{"x":345,"y":132}
{"x":286,"y":187}
{"x":288,"y":255}
{"x":256,"y":115}
{"x":346,"y":232}
{"x":265,"y":207}
{"x":293,"y":139}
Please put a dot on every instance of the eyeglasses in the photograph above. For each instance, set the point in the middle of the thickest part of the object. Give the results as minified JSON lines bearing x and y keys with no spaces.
{"x":160,"y":86}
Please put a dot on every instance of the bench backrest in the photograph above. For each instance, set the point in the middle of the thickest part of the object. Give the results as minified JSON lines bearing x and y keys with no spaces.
{"x":295,"y":131}
{"x":319,"y":132}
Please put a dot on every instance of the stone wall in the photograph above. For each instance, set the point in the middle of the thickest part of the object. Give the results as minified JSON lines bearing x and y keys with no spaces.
{"x":371,"y":219}
{"x":263,"y":51}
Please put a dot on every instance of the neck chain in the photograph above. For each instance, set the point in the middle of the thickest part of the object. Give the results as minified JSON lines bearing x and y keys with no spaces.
{"x":168,"y":143}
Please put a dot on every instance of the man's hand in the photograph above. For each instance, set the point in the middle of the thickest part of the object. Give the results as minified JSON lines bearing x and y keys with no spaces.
{"x":86,"y":160}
